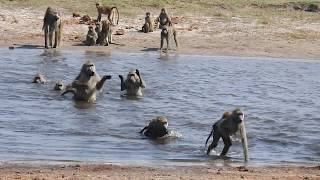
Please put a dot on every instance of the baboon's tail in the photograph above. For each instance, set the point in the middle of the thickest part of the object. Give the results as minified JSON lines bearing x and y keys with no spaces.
{"x":211,"y":133}
{"x":117,"y":13}
{"x":60,"y":31}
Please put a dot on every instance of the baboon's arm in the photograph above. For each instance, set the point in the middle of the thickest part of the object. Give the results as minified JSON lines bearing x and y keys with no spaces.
{"x":123,"y":86}
{"x":244,"y":141}
{"x":146,"y":127}
{"x":69,"y":91}
{"x":101,"y":82}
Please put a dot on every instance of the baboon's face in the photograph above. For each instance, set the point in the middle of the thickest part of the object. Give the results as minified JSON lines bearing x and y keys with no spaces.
{"x":163,"y":11}
{"x":148,"y":14}
{"x":238,"y":116}
{"x":58,"y":86}
{"x":90,"y":28}
{"x":37,"y":79}
{"x":89,"y":69}
{"x":132,"y":77}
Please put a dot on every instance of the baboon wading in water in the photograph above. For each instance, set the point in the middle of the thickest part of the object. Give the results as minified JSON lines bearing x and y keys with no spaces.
{"x":133,"y":84}
{"x":229,"y":124}
{"x":157,"y":128}
{"x":87,"y":83}
{"x":52,"y":23}
{"x":107,"y":11}
{"x":40,"y":79}
{"x":167,"y":33}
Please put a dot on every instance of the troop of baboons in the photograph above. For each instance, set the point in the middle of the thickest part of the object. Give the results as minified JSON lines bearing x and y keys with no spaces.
{"x":88,"y":83}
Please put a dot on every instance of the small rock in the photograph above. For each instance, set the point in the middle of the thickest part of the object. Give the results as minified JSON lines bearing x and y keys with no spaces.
{"x":120,"y":32}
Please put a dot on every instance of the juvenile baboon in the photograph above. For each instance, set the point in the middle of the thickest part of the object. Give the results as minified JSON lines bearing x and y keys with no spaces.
{"x":229,"y":124}
{"x":157,"y":128}
{"x":163,"y":19}
{"x":91,"y":37}
{"x":148,"y":24}
{"x":105,"y":36}
{"x":52,"y":23}
{"x":107,"y":11}
{"x":133,"y":84}
{"x":87,"y":83}
{"x":39,"y":78}
{"x":59,"y":86}
{"x":166,"y":34}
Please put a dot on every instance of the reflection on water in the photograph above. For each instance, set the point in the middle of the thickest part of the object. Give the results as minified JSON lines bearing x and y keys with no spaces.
{"x":280,"y":98}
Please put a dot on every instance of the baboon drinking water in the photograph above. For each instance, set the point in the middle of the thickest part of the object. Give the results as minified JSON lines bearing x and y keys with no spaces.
{"x":107,"y":11}
{"x":229,"y":124}
{"x":133,"y":84}
{"x":52,"y":23}
{"x":87,"y":83}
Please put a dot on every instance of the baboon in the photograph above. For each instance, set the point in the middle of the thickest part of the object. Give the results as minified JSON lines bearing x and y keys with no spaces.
{"x":105,"y":36}
{"x":98,"y":31}
{"x":107,"y":11}
{"x":91,"y":37}
{"x":166,"y":34}
{"x":157,"y":128}
{"x":87,"y":83}
{"x":229,"y":124}
{"x":52,"y":23}
{"x":40,"y":79}
{"x":163,"y":19}
{"x":148,"y":24}
{"x":133,"y":84}
{"x":59,"y":86}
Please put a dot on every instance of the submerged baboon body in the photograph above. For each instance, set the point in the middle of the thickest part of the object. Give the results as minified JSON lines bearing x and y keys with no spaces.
{"x":163,"y":19}
{"x":167,"y":33}
{"x":105,"y":35}
{"x":157,"y":128}
{"x":148,"y":24}
{"x":91,"y":37}
{"x":229,"y":124}
{"x":107,"y":11}
{"x":133,"y":84}
{"x":87,"y":83}
{"x":52,"y":23}
{"x":39,"y":78}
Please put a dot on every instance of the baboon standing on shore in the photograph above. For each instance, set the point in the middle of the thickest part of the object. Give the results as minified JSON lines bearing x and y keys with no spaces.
{"x":107,"y":11}
{"x":52,"y":23}
{"x":166,"y":34}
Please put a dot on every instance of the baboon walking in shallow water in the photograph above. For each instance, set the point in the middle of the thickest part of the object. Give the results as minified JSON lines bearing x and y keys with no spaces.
{"x":52,"y":23}
{"x":229,"y":124}
{"x":167,"y":33}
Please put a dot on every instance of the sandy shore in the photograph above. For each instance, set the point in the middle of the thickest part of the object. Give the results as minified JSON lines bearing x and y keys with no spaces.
{"x":108,"y":171}
{"x":204,"y":35}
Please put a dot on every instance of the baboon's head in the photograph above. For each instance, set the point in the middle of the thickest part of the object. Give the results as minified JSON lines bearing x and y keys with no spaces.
{"x":237,"y":115}
{"x":90,"y":28}
{"x":132,"y":76}
{"x":97,"y":4}
{"x":88,"y":68}
{"x":39,"y":78}
{"x":163,"y":121}
{"x":59,"y":86}
{"x":148,"y":14}
{"x":163,"y":10}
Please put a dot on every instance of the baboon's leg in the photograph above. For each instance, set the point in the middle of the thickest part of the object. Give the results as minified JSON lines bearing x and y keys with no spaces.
{"x":110,"y":37}
{"x":46,"y":30}
{"x":227,"y":143}
{"x":55,"y":38}
{"x":99,"y":16}
{"x":216,"y":137}
{"x":167,"y":39}
{"x":175,"y":38}
{"x":50,"y":35}
{"x":161,"y":45}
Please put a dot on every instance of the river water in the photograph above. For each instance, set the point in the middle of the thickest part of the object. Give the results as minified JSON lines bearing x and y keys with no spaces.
{"x":280,"y":98}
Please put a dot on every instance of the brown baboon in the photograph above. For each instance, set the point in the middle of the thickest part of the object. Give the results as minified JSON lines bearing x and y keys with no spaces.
{"x":107,"y":11}
{"x":52,"y":23}
{"x":166,"y":34}
{"x":105,"y":36}
{"x":87,"y":83}
{"x":133,"y":84}
{"x":91,"y":37}
{"x":148,"y":24}
{"x":40,"y":79}
{"x":157,"y":128}
{"x":163,"y":19}
{"x":229,"y":124}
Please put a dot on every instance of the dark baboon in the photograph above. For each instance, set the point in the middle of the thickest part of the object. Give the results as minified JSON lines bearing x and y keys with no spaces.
{"x":166,"y":34}
{"x":39,"y":78}
{"x":91,"y":37}
{"x":107,"y":11}
{"x":157,"y":128}
{"x":105,"y":36}
{"x":133,"y":84}
{"x":229,"y":124}
{"x":52,"y":23}
{"x":148,"y":24}
{"x":87,"y":83}
{"x":163,"y":19}
{"x":98,"y":31}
